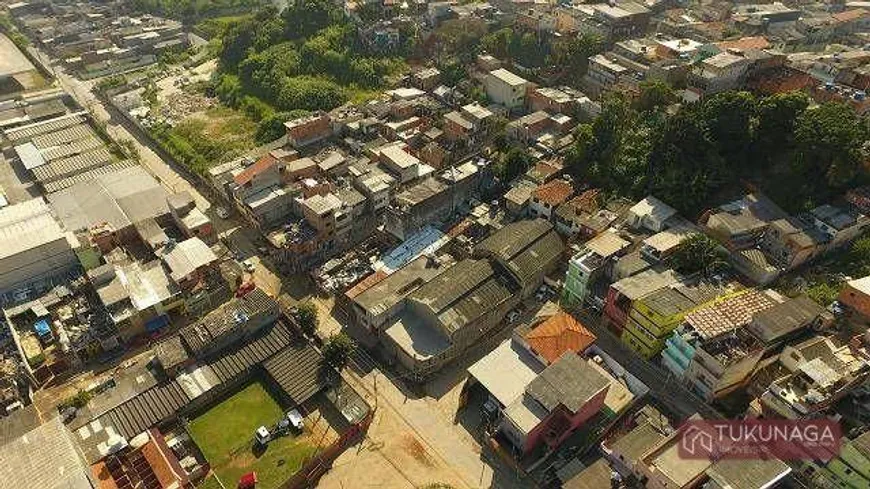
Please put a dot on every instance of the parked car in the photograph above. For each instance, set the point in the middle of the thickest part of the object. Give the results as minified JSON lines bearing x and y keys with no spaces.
{"x":262,"y":435}
{"x":296,"y":419}
{"x":248,"y":265}
{"x":221,"y":212}
{"x":513,"y":316}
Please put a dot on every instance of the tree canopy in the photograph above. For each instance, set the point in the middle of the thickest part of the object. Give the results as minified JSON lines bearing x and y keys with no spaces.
{"x":800,"y":156}
{"x":337,"y":350}
{"x":699,"y":254}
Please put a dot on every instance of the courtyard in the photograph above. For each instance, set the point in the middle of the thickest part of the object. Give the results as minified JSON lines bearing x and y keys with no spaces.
{"x":225,"y":435}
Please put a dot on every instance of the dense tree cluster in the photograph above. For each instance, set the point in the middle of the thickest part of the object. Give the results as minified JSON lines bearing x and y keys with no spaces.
{"x":190,"y":10}
{"x":692,"y":158}
{"x":306,"y":57}
{"x":534,"y":50}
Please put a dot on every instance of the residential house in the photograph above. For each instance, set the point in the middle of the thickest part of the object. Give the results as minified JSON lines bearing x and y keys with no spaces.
{"x":257,"y":189}
{"x":721,"y":72}
{"x":189,"y":262}
{"x":451,"y":312}
{"x":588,"y":265}
{"x":841,"y":225}
{"x":849,"y":468}
{"x":789,"y":243}
{"x":661,"y":467}
{"x":661,"y":245}
{"x":622,"y":294}
{"x":137,"y":296}
{"x":516,"y":200}
{"x":403,"y":165}
{"x":516,"y":372}
{"x":855,"y":295}
{"x":506,"y":89}
{"x":650,"y":214}
{"x":562,"y":100}
{"x":529,"y":127}
{"x":310,"y":129}
{"x":548,"y":197}
{"x":426,"y":79}
{"x":787,"y":319}
{"x":605,"y":73}
{"x":739,"y":225}
{"x":712,"y":352}
{"x":432,"y":200}
{"x":582,"y":218}
{"x":559,"y":400}
{"x":192,"y":221}
{"x":655,"y":316}
{"x":624,"y":450}
{"x":819,"y":372}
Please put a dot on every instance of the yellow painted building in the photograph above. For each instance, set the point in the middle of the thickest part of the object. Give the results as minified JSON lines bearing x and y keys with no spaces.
{"x":655,"y":316}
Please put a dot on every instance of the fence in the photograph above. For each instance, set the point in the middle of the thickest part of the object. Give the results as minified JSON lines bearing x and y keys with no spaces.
{"x":314,"y":468}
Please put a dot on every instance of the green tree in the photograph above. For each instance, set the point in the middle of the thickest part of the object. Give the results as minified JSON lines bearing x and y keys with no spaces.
{"x":513,"y":163}
{"x":777,"y":116}
{"x":685,"y":167}
{"x":830,"y":143}
{"x":337,"y":350}
{"x":699,"y":253}
{"x":306,"y":314}
{"x":572,"y":54}
{"x":729,"y":118}
{"x":654,"y":95}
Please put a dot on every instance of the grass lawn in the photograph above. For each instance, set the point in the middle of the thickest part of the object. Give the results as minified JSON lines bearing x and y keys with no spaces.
{"x":225,"y":436}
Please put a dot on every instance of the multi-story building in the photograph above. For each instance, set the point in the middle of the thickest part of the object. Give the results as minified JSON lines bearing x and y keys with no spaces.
{"x":432,"y":200}
{"x":588,"y":265}
{"x":549,"y":196}
{"x":849,"y":468}
{"x":34,"y":249}
{"x":604,"y":74}
{"x":724,"y":71}
{"x":507,"y":89}
{"x":818,"y":373}
{"x":622,"y":294}
{"x":451,"y":312}
{"x":655,"y":316}
{"x":309,"y":129}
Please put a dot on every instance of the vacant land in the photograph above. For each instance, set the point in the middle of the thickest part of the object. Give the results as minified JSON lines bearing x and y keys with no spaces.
{"x":225,"y":436}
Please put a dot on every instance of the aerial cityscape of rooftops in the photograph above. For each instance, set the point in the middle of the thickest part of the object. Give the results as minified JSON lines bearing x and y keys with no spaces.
{"x":428,"y":244}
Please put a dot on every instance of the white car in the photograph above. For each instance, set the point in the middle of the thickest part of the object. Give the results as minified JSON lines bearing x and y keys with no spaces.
{"x":262,"y":435}
{"x":221,"y":212}
{"x":296,"y":419}
{"x":248,"y":265}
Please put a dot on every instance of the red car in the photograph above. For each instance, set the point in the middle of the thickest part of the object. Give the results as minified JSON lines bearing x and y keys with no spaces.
{"x":248,"y":481}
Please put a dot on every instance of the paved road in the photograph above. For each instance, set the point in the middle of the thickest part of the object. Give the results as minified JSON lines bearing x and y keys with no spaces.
{"x":663,"y":386}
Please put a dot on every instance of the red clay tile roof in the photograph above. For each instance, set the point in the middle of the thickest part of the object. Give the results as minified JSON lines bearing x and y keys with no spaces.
{"x":554,"y":193}
{"x":744,"y":43}
{"x":849,"y":15}
{"x":264,"y":163}
{"x":365,"y":284}
{"x":586,"y":202}
{"x":559,"y":334}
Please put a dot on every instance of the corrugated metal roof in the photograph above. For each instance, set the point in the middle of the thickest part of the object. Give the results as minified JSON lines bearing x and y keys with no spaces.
{"x":146,"y":409}
{"x":72,"y":165}
{"x":252,"y":353}
{"x":65,"y":183}
{"x":299,"y":371}
{"x":26,"y":133}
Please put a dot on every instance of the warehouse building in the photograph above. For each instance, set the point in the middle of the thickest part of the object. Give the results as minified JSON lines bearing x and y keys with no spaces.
{"x":34,"y":250}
